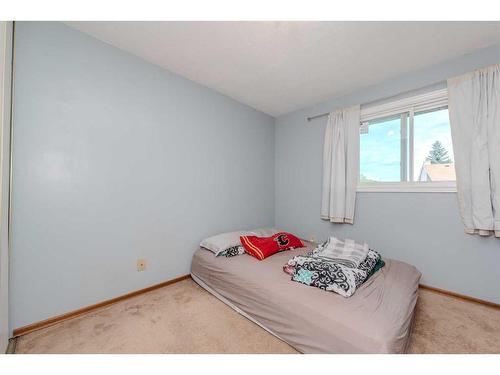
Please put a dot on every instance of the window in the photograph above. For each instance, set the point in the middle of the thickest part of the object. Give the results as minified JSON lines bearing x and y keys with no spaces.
{"x":406,"y":145}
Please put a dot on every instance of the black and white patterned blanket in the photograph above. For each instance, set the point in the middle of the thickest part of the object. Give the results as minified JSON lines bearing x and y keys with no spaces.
{"x":314,"y":270}
{"x":232,"y":251}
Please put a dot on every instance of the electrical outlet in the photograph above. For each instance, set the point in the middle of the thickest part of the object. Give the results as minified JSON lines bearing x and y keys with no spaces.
{"x":141,"y":265}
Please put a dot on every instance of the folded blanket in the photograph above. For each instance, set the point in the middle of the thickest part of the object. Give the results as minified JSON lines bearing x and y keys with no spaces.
{"x":347,"y":252}
{"x":380,"y":263}
{"x":325,"y":274}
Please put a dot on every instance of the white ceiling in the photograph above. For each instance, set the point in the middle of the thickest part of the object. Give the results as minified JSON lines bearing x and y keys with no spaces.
{"x":278,"y":67}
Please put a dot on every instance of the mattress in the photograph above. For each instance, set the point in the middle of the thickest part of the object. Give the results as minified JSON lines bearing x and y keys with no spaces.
{"x":376,"y":319}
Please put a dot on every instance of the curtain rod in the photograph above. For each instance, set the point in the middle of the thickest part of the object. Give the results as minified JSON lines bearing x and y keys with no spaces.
{"x":318,"y":116}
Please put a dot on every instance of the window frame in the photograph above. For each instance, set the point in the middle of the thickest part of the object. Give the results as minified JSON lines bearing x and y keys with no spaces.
{"x":407,"y":107}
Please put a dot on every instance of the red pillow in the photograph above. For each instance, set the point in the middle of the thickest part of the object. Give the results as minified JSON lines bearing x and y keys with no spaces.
{"x":262,"y":247}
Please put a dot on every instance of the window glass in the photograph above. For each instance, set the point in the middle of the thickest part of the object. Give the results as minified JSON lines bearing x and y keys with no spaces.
{"x":433,"y":150}
{"x":380,"y":151}
{"x":406,"y":144}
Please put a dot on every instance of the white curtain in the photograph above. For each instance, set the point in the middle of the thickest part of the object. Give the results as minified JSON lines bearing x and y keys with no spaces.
{"x":340,"y":165}
{"x":474,"y":107}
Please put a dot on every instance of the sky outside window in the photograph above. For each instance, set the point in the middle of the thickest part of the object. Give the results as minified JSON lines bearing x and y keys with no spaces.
{"x":380,"y":151}
{"x":428,"y":128}
{"x":380,"y":148}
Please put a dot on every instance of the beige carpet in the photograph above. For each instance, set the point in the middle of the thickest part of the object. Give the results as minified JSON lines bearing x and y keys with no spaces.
{"x":184,"y":318}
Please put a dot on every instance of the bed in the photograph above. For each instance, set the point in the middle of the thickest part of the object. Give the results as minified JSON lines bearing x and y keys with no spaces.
{"x":376,"y":319}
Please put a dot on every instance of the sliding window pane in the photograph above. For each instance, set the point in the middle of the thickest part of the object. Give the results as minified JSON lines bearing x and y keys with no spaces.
{"x":433,"y":151}
{"x":380,"y":151}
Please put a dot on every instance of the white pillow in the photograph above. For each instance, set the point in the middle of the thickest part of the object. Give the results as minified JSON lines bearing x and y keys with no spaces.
{"x":223,"y":241}
{"x":265,"y":232}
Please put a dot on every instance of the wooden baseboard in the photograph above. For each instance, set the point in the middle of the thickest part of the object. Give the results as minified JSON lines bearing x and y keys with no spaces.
{"x":72,"y":314}
{"x":461,"y":296}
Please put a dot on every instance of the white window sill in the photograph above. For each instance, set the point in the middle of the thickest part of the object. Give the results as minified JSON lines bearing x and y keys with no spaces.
{"x":408,"y":187}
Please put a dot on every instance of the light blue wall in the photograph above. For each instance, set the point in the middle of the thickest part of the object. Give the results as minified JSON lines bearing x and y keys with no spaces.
{"x":116,"y":159}
{"x":420,"y":228}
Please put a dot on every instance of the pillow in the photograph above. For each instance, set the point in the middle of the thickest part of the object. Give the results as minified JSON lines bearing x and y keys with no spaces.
{"x":262,"y":247}
{"x":223,"y":241}
{"x":265,"y":232}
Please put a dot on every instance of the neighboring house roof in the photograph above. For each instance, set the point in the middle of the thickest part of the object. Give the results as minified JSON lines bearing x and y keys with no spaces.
{"x":439,"y":172}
